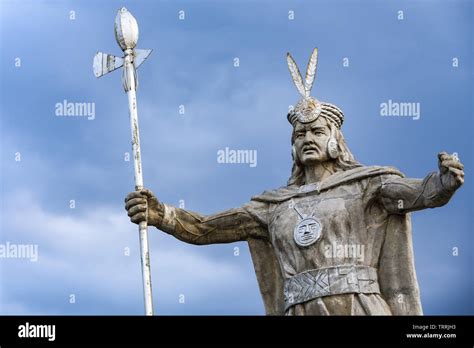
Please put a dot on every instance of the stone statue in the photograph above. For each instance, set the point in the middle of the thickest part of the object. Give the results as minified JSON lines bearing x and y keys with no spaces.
{"x":337,"y":239}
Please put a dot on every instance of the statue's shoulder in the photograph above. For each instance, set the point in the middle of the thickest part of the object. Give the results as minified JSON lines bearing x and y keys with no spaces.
{"x":277,"y":195}
{"x":339,"y":178}
{"x":359,"y":173}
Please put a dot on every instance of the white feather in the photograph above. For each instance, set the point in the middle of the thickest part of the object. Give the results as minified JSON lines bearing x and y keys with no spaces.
{"x":311,"y":72}
{"x":296,"y":75}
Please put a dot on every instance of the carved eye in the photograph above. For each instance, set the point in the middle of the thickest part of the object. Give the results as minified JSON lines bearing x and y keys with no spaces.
{"x":318,"y":131}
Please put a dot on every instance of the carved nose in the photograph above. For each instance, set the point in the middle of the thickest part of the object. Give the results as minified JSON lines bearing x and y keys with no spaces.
{"x":308,"y":137}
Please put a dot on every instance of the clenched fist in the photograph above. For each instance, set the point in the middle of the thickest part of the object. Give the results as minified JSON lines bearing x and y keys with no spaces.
{"x":144,"y":206}
{"x":451,"y":171}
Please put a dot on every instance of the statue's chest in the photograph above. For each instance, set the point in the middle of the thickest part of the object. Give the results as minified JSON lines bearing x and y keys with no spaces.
{"x":304,"y":221}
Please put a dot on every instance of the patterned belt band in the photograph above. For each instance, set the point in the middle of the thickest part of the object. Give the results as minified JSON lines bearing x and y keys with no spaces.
{"x":329,"y":281}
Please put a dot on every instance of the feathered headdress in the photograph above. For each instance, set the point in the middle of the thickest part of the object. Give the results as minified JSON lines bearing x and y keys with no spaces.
{"x":308,"y":108}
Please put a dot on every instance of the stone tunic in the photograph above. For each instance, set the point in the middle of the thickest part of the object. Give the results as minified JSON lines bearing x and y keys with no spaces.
{"x":353,"y":217}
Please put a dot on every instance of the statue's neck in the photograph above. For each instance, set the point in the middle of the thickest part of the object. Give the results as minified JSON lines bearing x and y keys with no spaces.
{"x":318,"y":172}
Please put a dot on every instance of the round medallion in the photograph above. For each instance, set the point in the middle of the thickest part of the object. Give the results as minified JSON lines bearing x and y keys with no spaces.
{"x":308,"y":231}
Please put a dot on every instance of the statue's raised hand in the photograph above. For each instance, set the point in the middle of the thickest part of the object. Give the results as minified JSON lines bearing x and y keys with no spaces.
{"x":451,"y":171}
{"x":144,"y":206}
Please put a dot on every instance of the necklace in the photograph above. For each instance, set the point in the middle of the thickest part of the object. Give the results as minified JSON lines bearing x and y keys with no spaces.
{"x":308,"y":229}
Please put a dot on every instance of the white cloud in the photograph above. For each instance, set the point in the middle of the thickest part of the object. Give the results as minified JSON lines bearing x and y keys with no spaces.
{"x":84,"y":255}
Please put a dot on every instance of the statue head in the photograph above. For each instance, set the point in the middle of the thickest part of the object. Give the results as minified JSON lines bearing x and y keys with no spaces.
{"x":316,"y":138}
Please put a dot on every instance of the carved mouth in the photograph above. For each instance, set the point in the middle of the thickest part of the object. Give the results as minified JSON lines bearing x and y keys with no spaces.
{"x":309,"y":149}
{"x":307,"y":236}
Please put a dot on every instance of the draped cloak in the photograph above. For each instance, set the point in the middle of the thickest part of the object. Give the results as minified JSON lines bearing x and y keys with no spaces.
{"x":395,"y":264}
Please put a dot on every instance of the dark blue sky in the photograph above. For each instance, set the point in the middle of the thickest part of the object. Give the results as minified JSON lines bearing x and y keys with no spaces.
{"x":81,"y":250}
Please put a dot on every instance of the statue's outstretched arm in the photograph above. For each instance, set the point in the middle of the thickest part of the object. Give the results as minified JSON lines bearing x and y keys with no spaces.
{"x":231,"y":225}
{"x":402,"y":195}
{"x":248,"y":221}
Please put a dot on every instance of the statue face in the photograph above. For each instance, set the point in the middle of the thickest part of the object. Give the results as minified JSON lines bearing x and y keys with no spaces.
{"x":311,"y":141}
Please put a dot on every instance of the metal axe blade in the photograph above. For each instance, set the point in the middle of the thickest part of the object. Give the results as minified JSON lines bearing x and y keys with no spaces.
{"x":105,"y":63}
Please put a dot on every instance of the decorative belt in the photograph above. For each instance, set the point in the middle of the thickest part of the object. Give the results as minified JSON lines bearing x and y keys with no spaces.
{"x":329,"y":281}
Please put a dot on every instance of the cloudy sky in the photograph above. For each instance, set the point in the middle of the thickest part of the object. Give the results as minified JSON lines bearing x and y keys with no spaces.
{"x":63,"y":179}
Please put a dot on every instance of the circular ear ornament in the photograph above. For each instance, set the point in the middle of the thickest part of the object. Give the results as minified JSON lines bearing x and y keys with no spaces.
{"x":333,"y":148}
